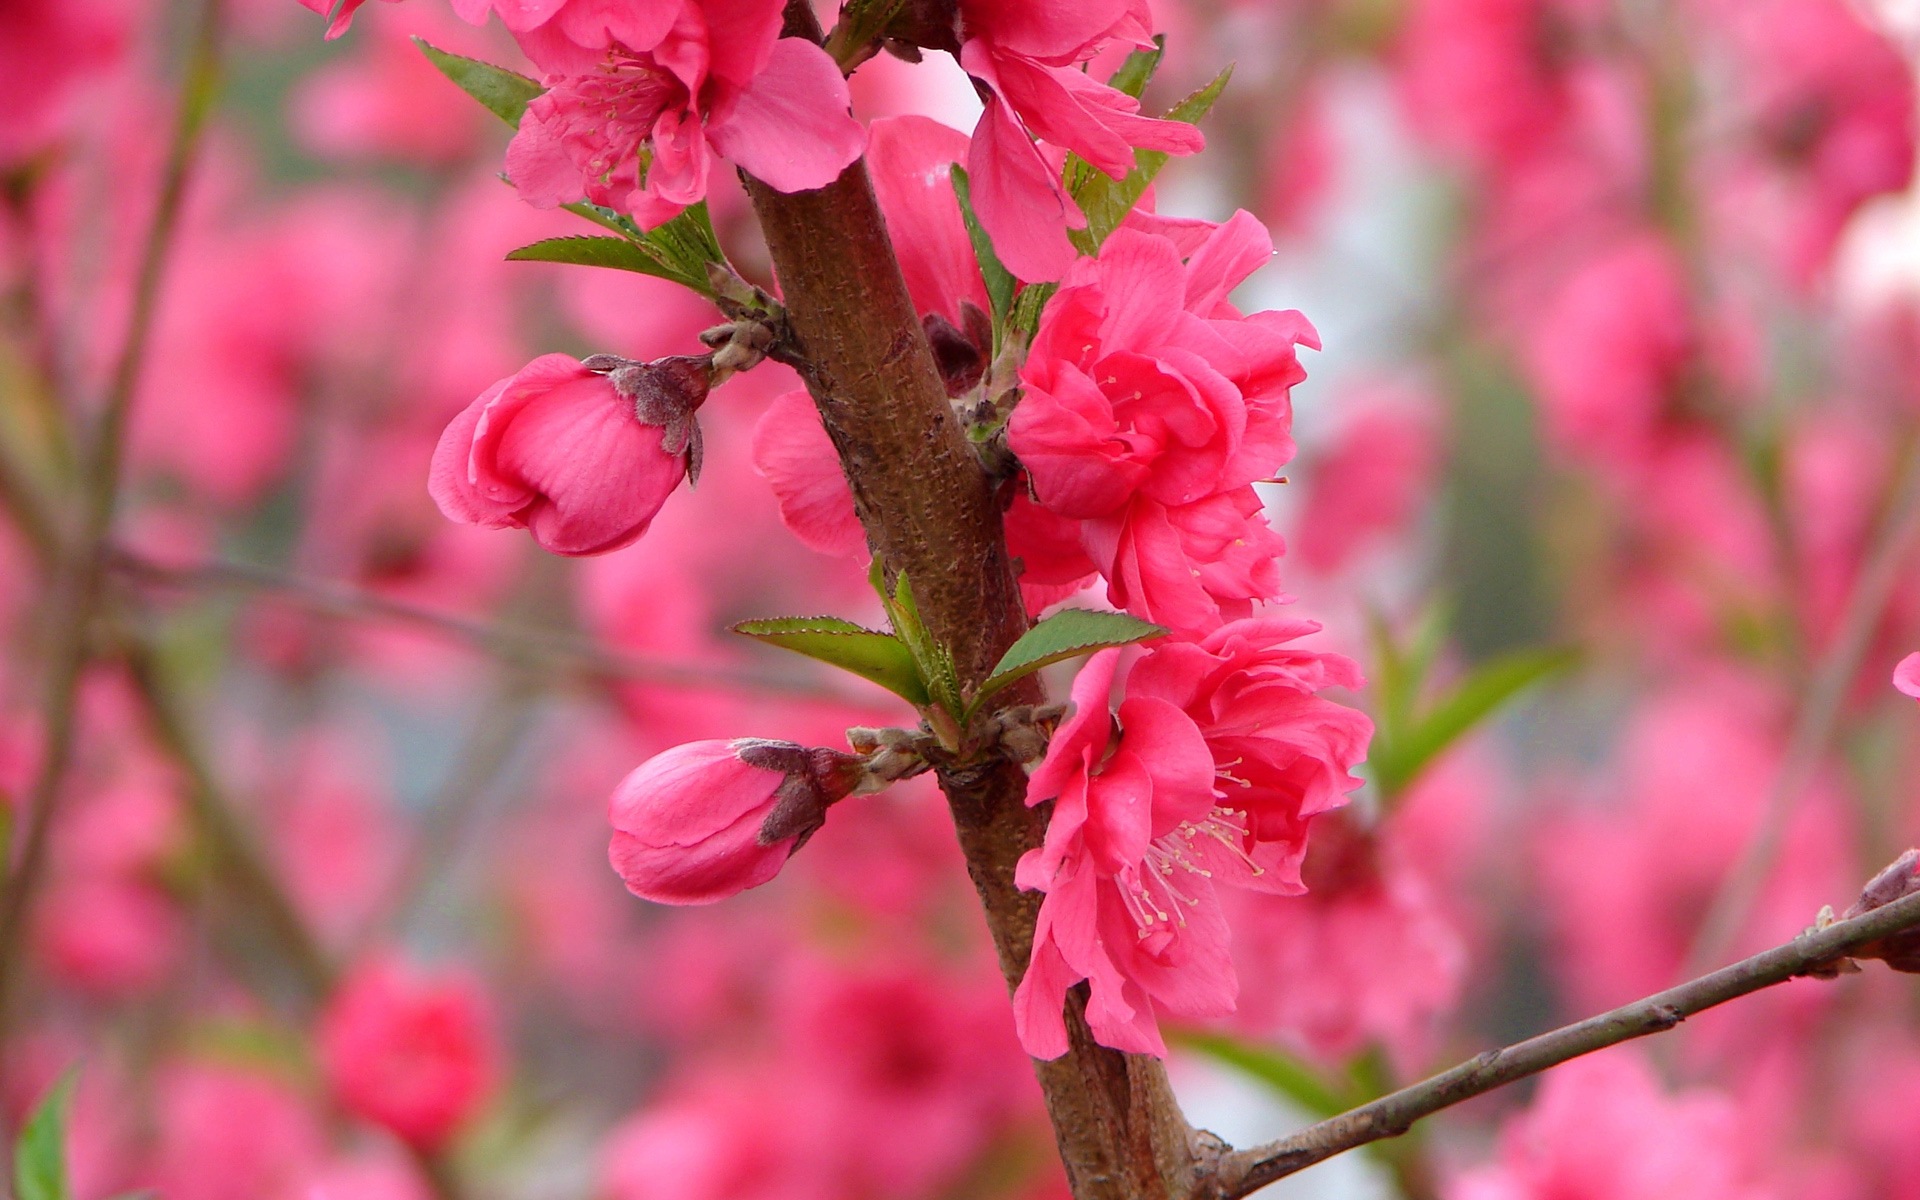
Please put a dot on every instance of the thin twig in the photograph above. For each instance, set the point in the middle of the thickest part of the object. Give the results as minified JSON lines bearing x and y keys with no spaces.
{"x":236,"y":851}
{"x":1244,"y":1171}
{"x":77,"y":593}
{"x":520,"y":645}
{"x":1813,"y":731}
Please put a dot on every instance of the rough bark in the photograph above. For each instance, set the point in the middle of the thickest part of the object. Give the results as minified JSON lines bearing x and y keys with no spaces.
{"x":931,"y":511}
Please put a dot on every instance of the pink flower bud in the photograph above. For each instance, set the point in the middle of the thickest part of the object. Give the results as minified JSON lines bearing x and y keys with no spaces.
{"x":581,"y":455}
{"x":711,"y":819}
{"x":408,"y":1051}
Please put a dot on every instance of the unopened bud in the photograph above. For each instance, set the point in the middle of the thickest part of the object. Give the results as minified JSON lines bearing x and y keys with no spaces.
{"x":708,"y":820}
{"x":1901,"y":878}
{"x":666,"y":392}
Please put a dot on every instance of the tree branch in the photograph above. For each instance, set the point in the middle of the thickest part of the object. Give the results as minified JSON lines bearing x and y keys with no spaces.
{"x":931,"y":513}
{"x":76,"y":596}
{"x":520,"y":645}
{"x":1244,"y":1171}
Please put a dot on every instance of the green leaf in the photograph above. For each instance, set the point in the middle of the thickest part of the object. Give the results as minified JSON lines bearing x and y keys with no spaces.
{"x":1399,"y":761}
{"x":999,"y":280}
{"x":40,"y":1156}
{"x":1282,"y":1072}
{"x":868,"y":653}
{"x":505,"y":93}
{"x":583,"y":251}
{"x":1105,"y":201}
{"x":1137,"y":71}
{"x":1064,"y":635}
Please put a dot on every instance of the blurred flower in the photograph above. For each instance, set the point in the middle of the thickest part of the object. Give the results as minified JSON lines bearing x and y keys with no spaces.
{"x":1906,"y":676}
{"x":1602,"y":1129}
{"x":409,"y":1051}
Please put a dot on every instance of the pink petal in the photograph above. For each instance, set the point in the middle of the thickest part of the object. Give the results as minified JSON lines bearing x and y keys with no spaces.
{"x":1906,"y":676}
{"x":910,"y":160}
{"x":791,"y":129}
{"x":792,"y":450}
{"x":1017,"y":197}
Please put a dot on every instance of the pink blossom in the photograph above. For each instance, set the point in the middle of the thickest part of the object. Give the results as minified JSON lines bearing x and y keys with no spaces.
{"x":339,"y":13}
{"x":1609,"y":349}
{"x":563,"y":451}
{"x":229,"y":1133}
{"x":911,"y":160}
{"x":631,"y":124}
{"x":1366,"y":957}
{"x":1369,"y":484}
{"x":1024,"y":57}
{"x":1906,"y":676}
{"x":1224,"y":754}
{"x":1148,"y":421}
{"x":708,"y":820}
{"x":1603,"y":1129}
{"x":409,"y":1051}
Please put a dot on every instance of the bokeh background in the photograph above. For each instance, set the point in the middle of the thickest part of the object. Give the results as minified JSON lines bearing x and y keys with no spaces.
{"x":1609,"y":476}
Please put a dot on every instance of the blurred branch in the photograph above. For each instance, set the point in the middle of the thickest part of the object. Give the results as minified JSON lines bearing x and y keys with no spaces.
{"x":1244,"y":1171}
{"x":538,"y":649}
{"x":1898,"y":536}
{"x":236,"y":851}
{"x":75,"y":598}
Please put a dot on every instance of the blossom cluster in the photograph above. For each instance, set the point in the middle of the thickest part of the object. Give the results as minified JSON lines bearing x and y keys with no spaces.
{"x":417,"y":552}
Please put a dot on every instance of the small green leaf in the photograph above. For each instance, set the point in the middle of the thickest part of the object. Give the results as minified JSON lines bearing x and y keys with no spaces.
{"x":1400,"y":760}
{"x":583,"y":251}
{"x":505,"y":93}
{"x":999,"y":280}
{"x":40,"y":1156}
{"x":1106,"y":202}
{"x":1063,"y":635}
{"x":1282,"y":1072}
{"x":1137,"y":71}
{"x":868,"y":653}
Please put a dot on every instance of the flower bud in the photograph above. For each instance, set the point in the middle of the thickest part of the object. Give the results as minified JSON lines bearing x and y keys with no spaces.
{"x":707,"y":820}
{"x":581,"y":455}
{"x":1901,"y":878}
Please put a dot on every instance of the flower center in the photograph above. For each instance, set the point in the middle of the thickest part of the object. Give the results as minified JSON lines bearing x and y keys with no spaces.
{"x":1152,"y":891}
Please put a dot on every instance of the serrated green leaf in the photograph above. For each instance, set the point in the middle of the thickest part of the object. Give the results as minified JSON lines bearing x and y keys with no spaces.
{"x":586,"y":251}
{"x":1282,"y":1072}
{"x":868,"y":653}
{"x":1064,"y":635}
{"x":1398,"y":761}
{"x":1106,"y":201}
{"x":999,"y":280}
{"x":40,"y":1156}
{"x":1137,"y":71}
{"x":505,"y":93}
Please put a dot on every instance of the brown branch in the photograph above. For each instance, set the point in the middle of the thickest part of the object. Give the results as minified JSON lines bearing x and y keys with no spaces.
{"x":931,"y":513}
{"x":1244,"y":1171}
{"x":76,"y":596}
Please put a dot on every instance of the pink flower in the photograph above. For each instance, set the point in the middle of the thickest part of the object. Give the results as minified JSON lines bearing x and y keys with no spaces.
{"x":411,"y":1052}
{"x":580,"y":457}
{"x":1602,"y":1129}
{"x":1024,"y":58}
{"x":708,"y":820}
{"x":1906,"y":676}
{"x":338,"y":12}
{"x":1149,"y":406}
{"x":1369,"y":484}
{"x":631,"y":124}
{"x":1224,"y":753}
